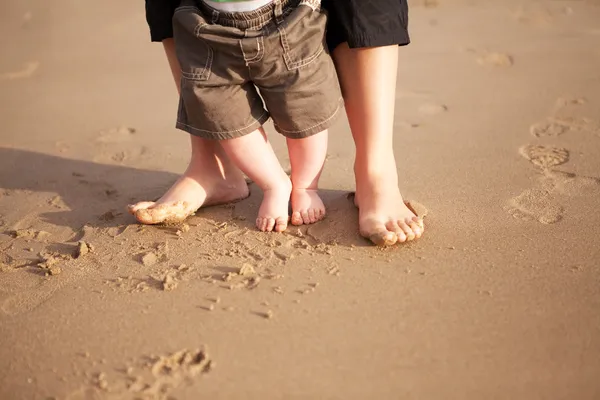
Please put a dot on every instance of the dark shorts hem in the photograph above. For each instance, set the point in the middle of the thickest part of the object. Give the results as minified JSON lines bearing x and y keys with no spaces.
{"x":399,"y":38}
{"x":313,"y":130}
{"x":157,"y":35}
{"x":232,"y":134}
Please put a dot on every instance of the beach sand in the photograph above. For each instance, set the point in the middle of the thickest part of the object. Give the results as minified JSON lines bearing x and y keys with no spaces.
{"x":497,"y":141}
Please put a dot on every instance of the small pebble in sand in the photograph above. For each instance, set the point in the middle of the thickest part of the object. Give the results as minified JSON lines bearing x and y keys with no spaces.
{"x":236,"y":286}
{"x":169,"y":283}
{"x":247,"y":270}
{"x":53,"y":270}
{"x":4,"y":267}
{"x":101,"y":381}
{"x":82,"y":249}
{"x":253,"y":282}
{"x":229,"y":276}
{"x":278,"y":290}
{"x":149,"y":259}
{"x":30,"y":234}
{"x":268,"y":314}
{"x":210,"y":307}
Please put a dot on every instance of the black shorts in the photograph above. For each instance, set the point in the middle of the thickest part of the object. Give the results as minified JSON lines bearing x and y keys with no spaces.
{"x":361,"y":23}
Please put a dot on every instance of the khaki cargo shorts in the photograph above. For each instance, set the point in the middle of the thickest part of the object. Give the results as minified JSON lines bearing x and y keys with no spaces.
{"x":239,"y":69}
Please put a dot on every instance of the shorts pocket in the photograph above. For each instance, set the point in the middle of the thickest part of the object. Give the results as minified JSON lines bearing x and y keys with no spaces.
{"x":302,"y":37}
{"x":194,"y":54}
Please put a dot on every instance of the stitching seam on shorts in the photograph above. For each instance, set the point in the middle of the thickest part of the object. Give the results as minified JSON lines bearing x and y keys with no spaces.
{"x":257,"y":121}
{"x":261,"y":50}
{"x":203,"y":75}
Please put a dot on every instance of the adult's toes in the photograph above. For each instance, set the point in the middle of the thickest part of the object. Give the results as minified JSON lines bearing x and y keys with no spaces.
{"x":133,"y":208}
{"x":415,"y":228}
{"x":419,"y":222}
{"x":393,"y":227}
{"x":410,"y":235}
{"x":383,"y":238}
{"x":149,"y":216}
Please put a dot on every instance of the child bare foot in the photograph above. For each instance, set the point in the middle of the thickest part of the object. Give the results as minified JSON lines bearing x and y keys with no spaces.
{"x":307,"y":157}
{"x":273,"y":212}
{"x":307,"y":207}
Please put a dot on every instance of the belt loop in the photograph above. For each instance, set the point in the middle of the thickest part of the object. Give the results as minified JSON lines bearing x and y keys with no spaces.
{"x":215,"y":16}
{"x":278,"y":11}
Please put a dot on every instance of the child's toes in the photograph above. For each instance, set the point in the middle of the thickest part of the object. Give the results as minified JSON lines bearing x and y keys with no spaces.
{"x":261,"y":224}
{"x":311,"y":216}
{"x":305,"y":217}
{"x":297,"y":218}
{"x":281,"y":224}
{"x":270,"y":224}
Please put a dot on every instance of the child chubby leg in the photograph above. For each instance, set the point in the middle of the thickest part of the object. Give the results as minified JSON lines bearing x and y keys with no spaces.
{"x":307,"y":157}
{"x":254,"y":155}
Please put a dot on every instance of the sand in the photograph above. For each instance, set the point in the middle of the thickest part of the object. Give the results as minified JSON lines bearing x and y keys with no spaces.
{"x":497,"y":137}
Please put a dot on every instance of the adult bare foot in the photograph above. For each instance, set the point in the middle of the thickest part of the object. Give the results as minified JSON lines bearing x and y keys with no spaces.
{"x":273,"y":212}
{"x":307,"y":207}
{"x":384,"y":218}
{"x":195,"y":189}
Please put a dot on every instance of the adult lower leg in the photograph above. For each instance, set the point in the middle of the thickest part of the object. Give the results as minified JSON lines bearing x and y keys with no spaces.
{"x":207,"y":154}
{"x":210,"y":178}
{"x":368,"y":80}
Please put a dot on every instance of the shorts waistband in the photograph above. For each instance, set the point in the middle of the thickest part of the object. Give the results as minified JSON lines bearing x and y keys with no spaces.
{"x":257,"y":19}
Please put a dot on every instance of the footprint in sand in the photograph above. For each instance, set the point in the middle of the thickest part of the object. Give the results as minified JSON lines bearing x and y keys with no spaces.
{"x":554,"y":126}
{"x":150,"y":377}
{"x":116,"y":135}
{"x":539,"y":203}
{"x":539,"y":15}
{"x":571,"y":184}
{"x":544,"y":156}
{"x":121,"y":156}
{"x":28,"y":70}
{"x":536,"y":204}
{"x":550,"y":127}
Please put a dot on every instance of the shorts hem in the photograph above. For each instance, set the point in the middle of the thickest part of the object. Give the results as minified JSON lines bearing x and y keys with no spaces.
{"x":400,"y":38}
{"x":225,"y":135}
{"x":313,"y":130}
{"x":160,"y":36}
